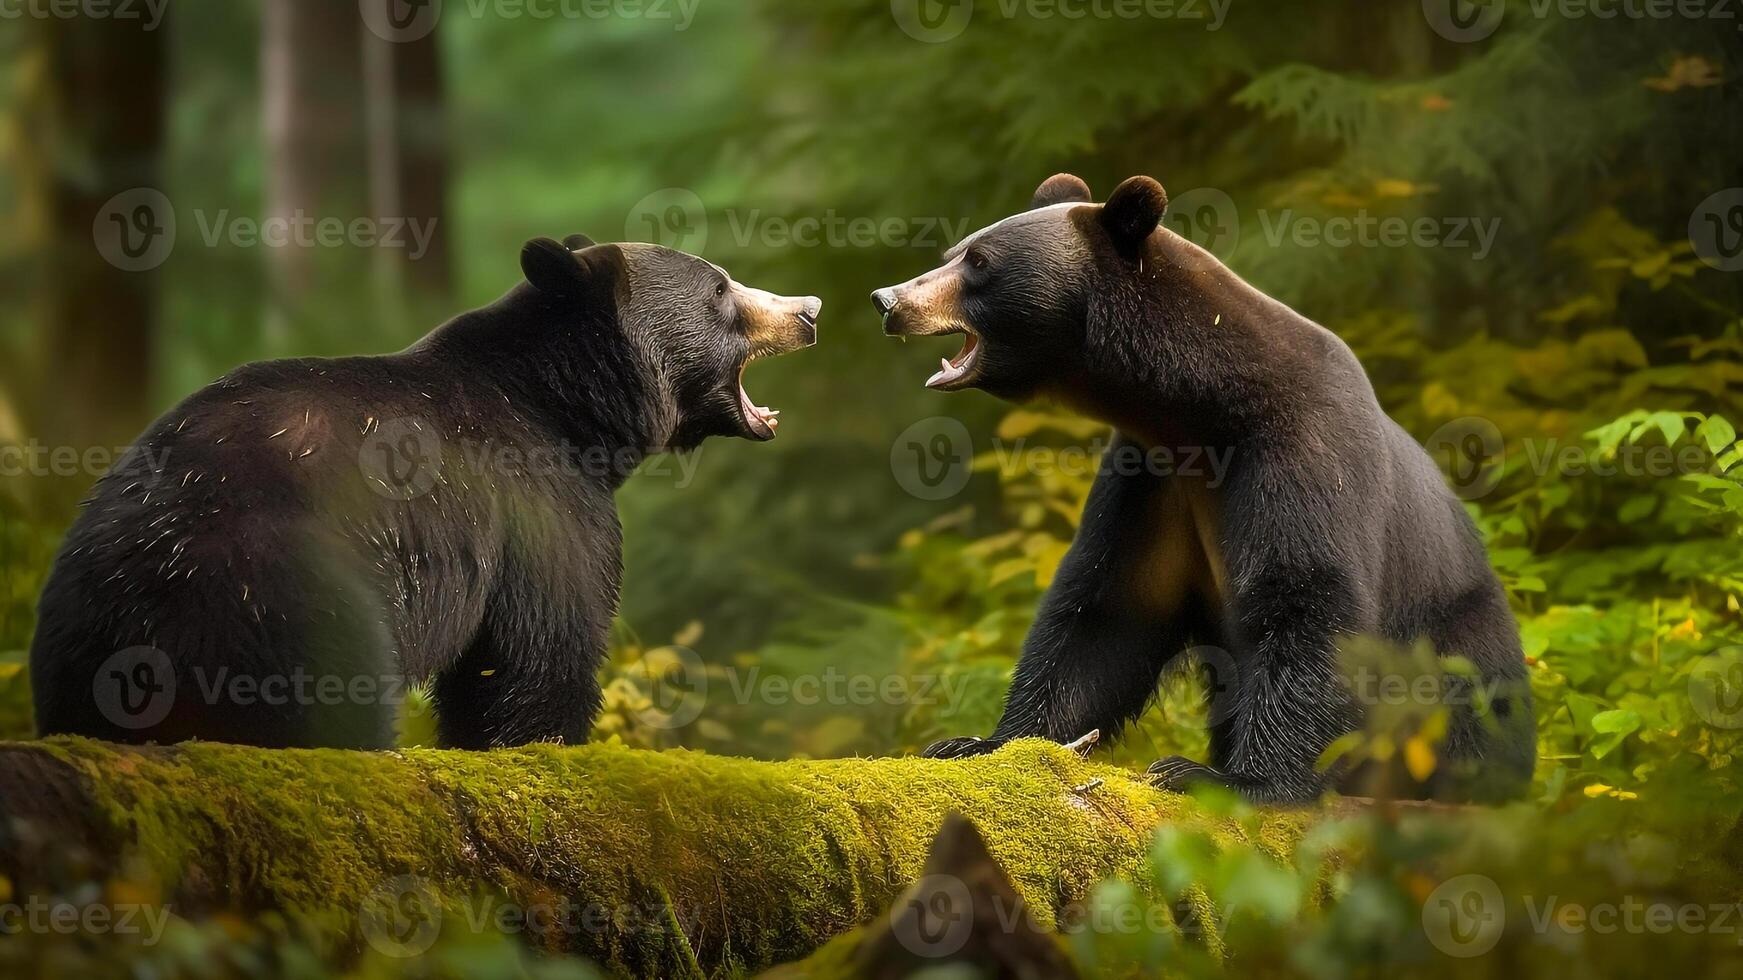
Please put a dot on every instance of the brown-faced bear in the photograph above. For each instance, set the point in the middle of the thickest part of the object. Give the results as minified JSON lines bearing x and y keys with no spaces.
{"x":281,"y":552}
{"x":1328,"y":522}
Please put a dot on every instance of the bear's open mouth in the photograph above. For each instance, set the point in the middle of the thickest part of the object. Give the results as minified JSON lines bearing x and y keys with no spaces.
{"x":759,"y":423}
{"x":957,"y":368}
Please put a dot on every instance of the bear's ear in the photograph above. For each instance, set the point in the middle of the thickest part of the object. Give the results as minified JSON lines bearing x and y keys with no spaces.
{"x":550,"y":267}
{"x":1132,"y":213}
{"x":1060,"y":189}
{"x":577,"y":242}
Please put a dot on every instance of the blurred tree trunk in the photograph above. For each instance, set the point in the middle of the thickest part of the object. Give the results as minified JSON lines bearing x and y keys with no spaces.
{"x":408,"y":172}
{"x":421,"y":106}
{"x":316,"y":157}
{"x":355,"y":126}
{"x":105,"y":87}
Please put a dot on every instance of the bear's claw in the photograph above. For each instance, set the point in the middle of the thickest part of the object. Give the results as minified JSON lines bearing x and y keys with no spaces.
{"x":1084,"y":745}
{"x":962,"y":747}
{"x":1177,"y":774}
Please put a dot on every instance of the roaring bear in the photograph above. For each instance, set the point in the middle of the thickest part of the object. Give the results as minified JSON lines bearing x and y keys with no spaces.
{"x":281,"y":552}
{"x":1328,"y":523}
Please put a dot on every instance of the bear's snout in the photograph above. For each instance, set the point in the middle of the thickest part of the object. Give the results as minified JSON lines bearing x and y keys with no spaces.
{"x":884,"y":299}
{"x":809,"y":308}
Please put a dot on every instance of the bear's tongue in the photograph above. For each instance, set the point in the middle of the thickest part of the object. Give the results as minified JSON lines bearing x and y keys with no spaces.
{"x":762,"y":421}
{"x":955,"y":368}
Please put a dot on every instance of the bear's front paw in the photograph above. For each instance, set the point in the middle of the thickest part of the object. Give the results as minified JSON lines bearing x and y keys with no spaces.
{"x":1180,"y":775}
{"x":961,"y":747}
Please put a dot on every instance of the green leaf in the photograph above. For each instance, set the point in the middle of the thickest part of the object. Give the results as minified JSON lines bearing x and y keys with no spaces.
{"x":1340,"y":747}
{"x":1257,"y":883}
{"x":1635,"y":508}
{"x":1582,"y":709}
{"x":1616,"y":720}
{"x":1669,"y":424}
{"x":1718,"y":432}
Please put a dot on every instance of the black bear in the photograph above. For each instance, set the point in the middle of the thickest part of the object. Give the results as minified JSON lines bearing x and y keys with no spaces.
{"x":278,"y":553}
{"x":1328,"y":522}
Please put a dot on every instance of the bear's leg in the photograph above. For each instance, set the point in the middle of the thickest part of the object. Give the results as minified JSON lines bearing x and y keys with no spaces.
{"x":1296,"y":596}
{"x":1093,"y":658}
{"x":1490,"y":747}
{"x":505,"y":691}
{"x":1288,"y":708}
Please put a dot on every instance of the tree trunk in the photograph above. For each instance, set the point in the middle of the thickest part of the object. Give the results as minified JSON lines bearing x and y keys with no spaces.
{"x":316,"y":157}
{"x":111,"y":226}
{"x":421,"y":106}
{"x":651,"y":863}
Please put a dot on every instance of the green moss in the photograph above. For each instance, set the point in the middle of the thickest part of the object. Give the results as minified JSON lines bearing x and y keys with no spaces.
{"x":702,"y":863}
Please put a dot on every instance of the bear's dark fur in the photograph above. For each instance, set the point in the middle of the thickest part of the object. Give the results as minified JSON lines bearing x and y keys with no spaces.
{"x":1329,"y":522}
{"x":280,"y":553}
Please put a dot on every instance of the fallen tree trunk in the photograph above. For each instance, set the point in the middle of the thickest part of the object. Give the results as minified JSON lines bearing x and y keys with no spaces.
{"x":651,"y":863}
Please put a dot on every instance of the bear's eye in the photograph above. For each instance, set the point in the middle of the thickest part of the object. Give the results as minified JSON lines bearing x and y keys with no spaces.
{"x":976,"y":259}
{"x":720,"y":290}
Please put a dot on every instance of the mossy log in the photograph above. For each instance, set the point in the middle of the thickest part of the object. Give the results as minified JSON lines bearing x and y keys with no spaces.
{"x":651,"y":863}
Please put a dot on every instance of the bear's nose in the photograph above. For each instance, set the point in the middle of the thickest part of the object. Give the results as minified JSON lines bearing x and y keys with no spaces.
{"x":885,"y":300}
{"x":809,"y":307}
